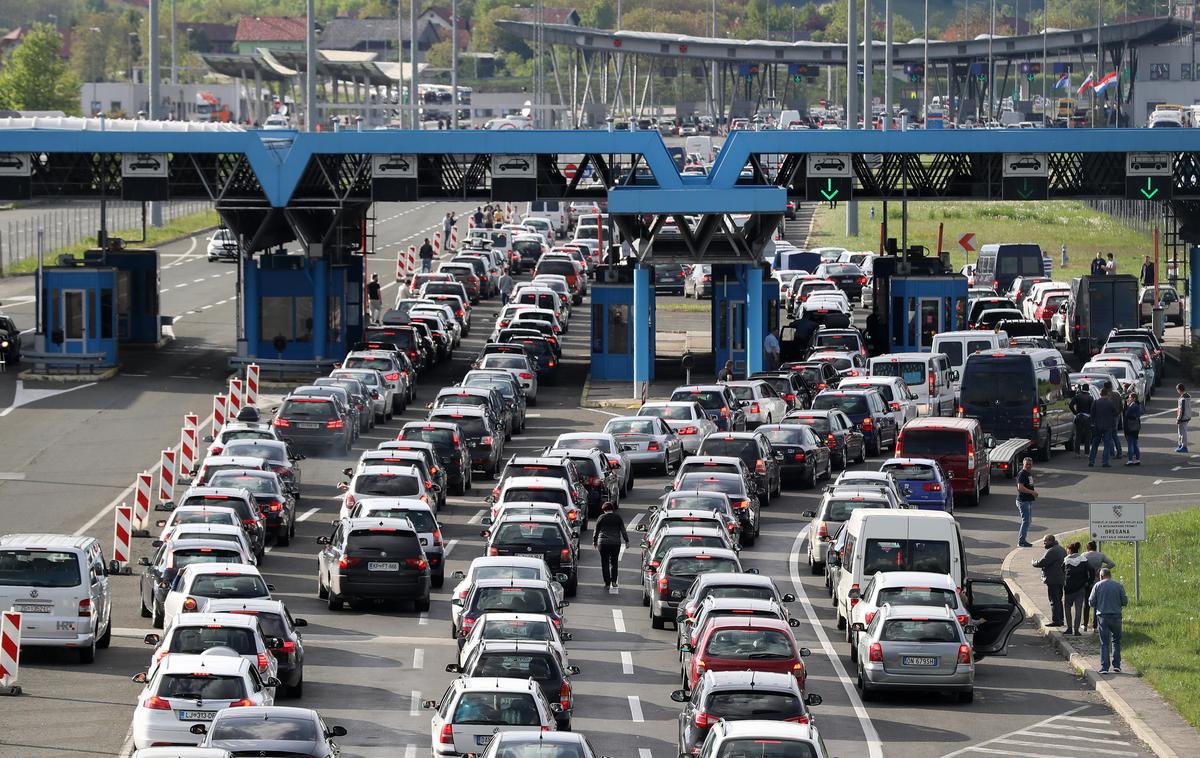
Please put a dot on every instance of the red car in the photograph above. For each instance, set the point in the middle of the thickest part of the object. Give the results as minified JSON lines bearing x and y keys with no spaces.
{"x":957,"y":444}
{"x":746,"y":644}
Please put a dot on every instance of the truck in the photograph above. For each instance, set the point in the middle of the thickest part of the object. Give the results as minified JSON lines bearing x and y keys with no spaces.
{"x":210,"y":109}
{"x":1098,"y":305}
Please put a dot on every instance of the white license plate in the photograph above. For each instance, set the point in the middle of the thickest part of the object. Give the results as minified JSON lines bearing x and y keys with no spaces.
{"x":918,"y":660}
{"x":629,"y":447}
{"x":424,"y":542}
{"x":33,"y":608}
{"x":483,"y":739}
{"x":305,"y":425}
{"x":383,"y":566}
{"x":197,"y":715}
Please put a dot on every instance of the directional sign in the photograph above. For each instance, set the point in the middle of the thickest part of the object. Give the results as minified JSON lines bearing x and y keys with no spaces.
{"x":15,"y":164}
{"x":1157,"y":188}
{"x":967,"y":242}
{"x":829,"y":189}
{"x":1025,"y":188}
{"x":1117,"y":522}
{"x":1025,"y":164}
{"x":144,"y":165}
{"x":829,"y":164}
{"x":1148,"y":164}
{"x":402,"y":166}
{"x":514,"y":166}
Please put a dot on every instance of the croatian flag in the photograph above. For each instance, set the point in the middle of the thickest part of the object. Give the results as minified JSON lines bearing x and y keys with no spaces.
{"x":1086,"y":83}
{"x":1064,"y":81}
{"x":1106,"y":82}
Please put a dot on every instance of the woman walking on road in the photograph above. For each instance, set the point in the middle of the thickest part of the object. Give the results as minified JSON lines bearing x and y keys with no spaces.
{"x":1133,"y":427}
{"x":608,"y":537}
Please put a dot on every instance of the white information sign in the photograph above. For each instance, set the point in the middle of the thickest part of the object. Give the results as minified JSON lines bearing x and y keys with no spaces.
{"x":1117,"y":522}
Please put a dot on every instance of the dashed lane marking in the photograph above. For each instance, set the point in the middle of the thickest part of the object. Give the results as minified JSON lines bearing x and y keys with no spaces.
{"x":308,"y":514}
{"x":626,"y":663}
{"x":414,"y":705}
{"x":449,"y":549}
{"x":419,"y":658}
{"x":635,"y":709}
{"x":618,"y":620}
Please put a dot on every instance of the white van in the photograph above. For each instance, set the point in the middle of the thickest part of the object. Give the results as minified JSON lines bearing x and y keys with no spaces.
{"x":554,"y":211}
{"x":956,"y":346}
{"x":701,"y":145}
{"x":59,"y":583}
{"x":875,"y":540}
{"x":928,"y":375}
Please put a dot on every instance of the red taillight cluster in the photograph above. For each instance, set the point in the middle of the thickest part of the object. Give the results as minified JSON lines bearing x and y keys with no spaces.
{"x":339,"y":424}
{"x":281,"y":422}
{"x":704,"y":720}
{"x":964,"y":654}
{"x":932,"y":487}
{"x":85,"y":608}
{"x":662,"y":587}
{"x":156,"y":703}
{"x":263,"y":663}
{"x":416,"y":563}
{"x":875,"y":653}
{"x":447,"y":735}
{"x":653,"y":447}
{"x":348,"y":561}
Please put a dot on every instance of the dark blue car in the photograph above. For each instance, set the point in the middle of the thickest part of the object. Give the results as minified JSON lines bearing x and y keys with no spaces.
{"x":922,"y":482}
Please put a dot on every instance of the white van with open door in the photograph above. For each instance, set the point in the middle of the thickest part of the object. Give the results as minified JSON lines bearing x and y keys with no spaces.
{"x":554,"y":211}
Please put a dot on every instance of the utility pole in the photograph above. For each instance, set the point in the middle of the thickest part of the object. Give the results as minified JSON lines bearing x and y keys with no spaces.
{"x":154,"y":111}
{"x":887,"y":65}
{"x":851,"y":99}
{"x":991,"y":71}
{"x":174,"y":68}
{"x":414,"y":98}
{"x":310,"y":65}
{"x":454,"y":63}
{"x":400,"y":59}
{"x":925,"y":71}
{"x":868,"y":64}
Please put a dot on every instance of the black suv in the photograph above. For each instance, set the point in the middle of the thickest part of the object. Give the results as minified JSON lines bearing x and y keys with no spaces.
{"x":868,"y":411}
{"x":313,"y":422}
{"x":531,"y":535}
{"x":800,"y":453}
{"x":373,"y":559}
{"x":451,"y":448}
{"x":755,"y":451}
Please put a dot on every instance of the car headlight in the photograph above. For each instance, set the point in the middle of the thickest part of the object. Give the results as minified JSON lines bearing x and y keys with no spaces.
{"x":4,"y":344}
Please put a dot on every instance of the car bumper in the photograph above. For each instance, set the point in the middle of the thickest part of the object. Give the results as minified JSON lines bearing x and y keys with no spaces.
{"x":77,"y":639}
{"x":162,"y":729}
{"x":384,"y":589}
{"x":704,"y":290}
{"x":644,"y":458}
{"x":313,"y":437}
{"x":663,"y":608}
{"x":963,"y":678}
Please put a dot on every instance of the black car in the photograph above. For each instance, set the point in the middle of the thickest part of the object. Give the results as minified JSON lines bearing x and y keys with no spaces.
{"x":534,"y":660}
{"x":738,"y":696}
{"x":451,"y":449}
{"x":404,"y":338}
{"x":599,"y":477}
{"x":755,"y":451}
{"x":276,"y":504}
{"x":789,"y":386}
{"x":360,"y":398}
{"x":371,"y":559}
{"x":485,"y":441}
{"x":668,"y":279}
{"x":10,"y":340}
{"x":800,"y":454}
{"x":281,"y":460}
{"x":530,"y":328}
{"x":279,"y":631}
{"x":745,"y":503}
{"x":844,"y":441}
{"x":818,"y":375}
{"x":313,"y":422}
{"x":848,"y":277}
{"x":866,"y":410}
{"x":510,"y":393}
{"x":345,"y":404}
{"x":534,"y":535}
{"x":240,"y":501}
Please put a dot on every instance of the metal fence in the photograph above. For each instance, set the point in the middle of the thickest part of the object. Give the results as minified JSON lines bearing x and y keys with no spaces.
{"x":1136,"y":214}
{"x":68,"y":225}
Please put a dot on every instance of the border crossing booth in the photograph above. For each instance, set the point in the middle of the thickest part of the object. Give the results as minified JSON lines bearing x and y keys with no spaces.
{"x":922,"y":306}
{"x":613,"y":324}
{"x":139,"y":319}
{"x":79,"y":314}
{"x":745,"y":307}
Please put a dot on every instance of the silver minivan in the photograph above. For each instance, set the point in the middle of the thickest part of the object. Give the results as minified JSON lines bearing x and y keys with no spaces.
{"x":59,"y":583}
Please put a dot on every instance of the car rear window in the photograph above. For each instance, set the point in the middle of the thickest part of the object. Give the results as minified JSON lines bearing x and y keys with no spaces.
{"x":202,"y":687}
{"x":185,"y":535}
{"x":535,"y":533}
{"x":730,"y":485}
{"x":516,"y":629}
{"x":273,"y":728}
{"x":517,"y":665}
{"x":709,"y":401}
{"x":39,"y":568}
{"x":188,"y":556}
{"x":932,"y":596}
{"x":912,"y":372}
{"x":906,"y":555}
{"x":362,"y":361}
{"x":204,"y":517}
{"x":307,"y":410}
{"x":819,"y":424}
{"x":838,"y":341}
{"x":512,"y":600}
{"x":229,"y":585}
{"x":557,"y":471}
{"x":382,"y":542}
{"x":461,"y":399}
{"x":435,"y":435}
{"x":470,"y":426}
{"x":585,"y":443}
{"x":236,"y":504}
{"x":749,"y":593}
{"x":933,"y":443}
{"x":422,"y":521}
{"x":197,"y":639}
{"x":258,"y":485}
{"x":918,"y":630}
{"x":506,"y":572}
{"x":245,"y":434}
{"x":694,"y":502}
{"x":911,"y":472}
{"x":840,"y":509}
{"x":252,"y":450}
{"x":670,"y":541}
{"x":738,"y":447}
{"x":509,"y":708}
{"x":499,"y":360}
{"x":749,"y":644}
{"x":775,"y":706}
{"x":766,"y":748}
{"x":849,"y":404}
{"x":632,"y":426}
{"x":691,"y":566}
{"x":562,"y":268}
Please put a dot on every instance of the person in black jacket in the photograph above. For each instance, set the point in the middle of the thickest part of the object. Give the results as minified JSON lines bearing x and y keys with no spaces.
{"x":608,"y":537}
{"x":1079,"y":578}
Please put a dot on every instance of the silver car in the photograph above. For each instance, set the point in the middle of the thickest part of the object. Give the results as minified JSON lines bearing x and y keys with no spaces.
{"x":909,"y":647}
{"x":605,"y":443}
{"x":647,"y":442}
{"x":381,"y":392}
{"x":687,"y":419}
{"x":272,"y":730}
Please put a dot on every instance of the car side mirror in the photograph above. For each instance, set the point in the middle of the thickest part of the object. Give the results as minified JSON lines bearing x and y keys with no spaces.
{"x":429,"y":704}
{"x":573,"y":670}
{"x":808,"y":514}
{"x":685,"y":647}
{"x":160,"y":523}
{"x":489,"y":500}
{"x":144,"y":561}
{"x":456,"y":601}
{"x":805,"y":652}
{"x":486,"y":533}
{"x":954,"y":376}
{"x":641,"y":527}
{"x":556,"y":708}
{"x":166,"y":505}
{"x":347,"y":471}
{"x":560,"y":578}
{"x":208,"y":438}
{"x":668,"y":488}
{"x":156,"y":543}
{"x":138,"y":678}
{"x":299,"y":623}
{"x":151,"y":639}
{"x":322,"y":540}
{"x":270,"y":588}
{"x":340,"y":731}
{"x":813,"y":699}
{"x":343,"y":486}
{"x":788,"y":598}
{"x":794,"y":623}
{"x":970,"y":628}
{"x":679,"y":696}
{"x":751,"y":571}
{"x":453,"y":668}
{"x":989,"y":441}
{"x":273,"y":682}
{"x":200,"y":729}
{"x":459,"y":575}
{"x":564,"y":604}
{"x":567,"y":636}
{"x":858,"y":626}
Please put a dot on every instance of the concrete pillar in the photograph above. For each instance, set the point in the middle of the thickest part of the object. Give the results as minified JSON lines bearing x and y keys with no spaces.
{"x":755,"y":329}
{"x":249,"y":306}
{"x":642,"y":355}
{"x":320,"y":269}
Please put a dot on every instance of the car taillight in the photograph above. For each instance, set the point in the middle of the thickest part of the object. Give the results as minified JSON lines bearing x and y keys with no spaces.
{"x":755,"y":408}
{"x":653,"y":447}
{"x":799,"y":456}
{"x":525,"y":375}
{"x":572,"y":516}
{"x":275,"y":506}
{"x":830,"y":441}
{"x":963,"y":618}
{"x":349,"y":562}
{"x":868,"y":424}
{"x":894,"y":406}
{"x":216,"y":450}
{"x":416,"y":563}
{"x":932,"y":386}
{"x":1037,"y":417}
{"x":493,"y":551}
{"x":964,"y":654}
{"x":189,"y":605}
{"x":823,"y":530}
{"x":853,"y":595}
{"x":804,"y":719}
{"x":437,"y":537}
{"x":593,"y":481}
{"x":760,"y":466}
{"x":995,"y":284}
{"x":704,"y":720}
{"x":468,"y":623}
{"x":281,"y":422}
{"x":932,"y":487}
{"x":662,"y":587}
{"x":741,"y":504}
{"x":564,"y":696}
{"x":875,"y":654}
{"x":707,"y":278}
{"x":447,"y":735}
{"x":263,"y":663}
{"x":339,"y":424}
{"x":85,"y":608}
{"x":688,"y":430}
{"x":156,"y":703}
{"x":970,"y":455}
{"x":651,"y":567}
{"x":287,"y":647}
{"x":392,"y":377}
{"x":862,"y":280}
{"x":249,"y":521}
{"x":486,"y":440}
{"x":789,"y":397}
{"x":614,"y":461}
{"x":725,"y":412}
{"x":869,"y":617}
{"x":565,"y":554}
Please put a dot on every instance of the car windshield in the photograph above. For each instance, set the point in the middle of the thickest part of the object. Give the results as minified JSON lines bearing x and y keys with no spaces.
{"x":536,"y":533}
{"x":268,"y":728}
{"x":512,"y":600}
{"x":684,"y":566}
{"x":775,"y":706}
{"x":197,"y":639}
{"x":839,"y":509}
{"x":766,"y":748}
{"x":510,"y":708}
{"x":932,"y":596}
{"x":202,"y":686}
{"x":912,"y":372}
{"x":911,"y":472}
{"x":223,"y":585}
{"x":631,"y":426}
{"x":749,"y":644}
{"x":539,"y":667}
{"x":919,"y":630}
{"x":709,"y":400}
{"x":38,"y":568}
{"x":739,"y":447}
{"x":258,"y":485}
{"x":517,"y":629}
{"x":934,"y":443}
{"x":307,"y":410}
{"x":849,"y":404}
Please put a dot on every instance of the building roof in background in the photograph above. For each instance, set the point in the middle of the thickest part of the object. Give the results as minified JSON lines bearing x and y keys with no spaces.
{"x":565,"y":16}
{"x":270,"y":29}
{"x":346,"y":33}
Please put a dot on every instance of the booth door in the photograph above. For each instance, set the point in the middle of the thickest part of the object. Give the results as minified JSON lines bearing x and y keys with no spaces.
{"x":730,"y":339}
{"x":72,"y":319}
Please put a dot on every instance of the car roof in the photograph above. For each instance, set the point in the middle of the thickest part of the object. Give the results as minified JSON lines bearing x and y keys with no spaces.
{"x":390,"y":470}
{"x":941,"y":422}
{"x":198,"y":543}
{"x":766,"y":680}
{"x":513,"y":582}
{"x":744,"y":580}
{"x":914,"y":579}
{"x":67,"y":541}
{"x":688,"y":552}
{"x":769,"y":729}
{"x":941,"y":613}
{"x":497,"y":684}
{"x":911,"y":462}
{"x":405,"y":503}
{"x":713,"y":459}
{"x":529,"y":646}
{"x":223,"y":568}
{"x":509,"y":560}
{"x":760,"y":622}
{"x":457,"y":411}
{"x":855,"y":494}
{"x":188,"y":663}
{"x":234,"y":604}
{"x":547,"y":482}
{"x":387,"y":522}
{"x":211,"y":618}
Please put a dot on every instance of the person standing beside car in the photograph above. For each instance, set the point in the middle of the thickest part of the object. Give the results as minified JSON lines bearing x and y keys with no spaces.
{"x":1104,"y":424}
{"x":1053,"y":576}
{"x":1133,"y":427}
{"x":1026,"y":495}
{"x":375,"y":298}
{"x":608,"y":538}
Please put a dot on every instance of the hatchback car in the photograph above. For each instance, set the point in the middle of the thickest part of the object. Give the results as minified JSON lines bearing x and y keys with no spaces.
{"x":737,"y":696}
{"x":868,"y":412}
{"x":800,"y":454}
{"x":831,"y":515}
{"x":911,"y":647}
{"x":473,"y":710}
{"x":372,"y":559}
{"x":734,"y":486}
{"x":524,"y":659}
{"x":923,"y":482}
{"x":277,"y":626}
{"x":272,"y":730}
{"x":509,"y":595}
{"x":755,"y":451}
{"x":647,"y":442}
{"x":686,"y":418}
{"x":718,"y":402}
{"x":313,"y":422}
{"x":484,"y":440}
{"x":746,"y":644}
{"x":763,"y":739}
{"x":450,"y":446}
{"x":530,"y":535}
{"x":843,"y":438}
{"x":676,"y":572}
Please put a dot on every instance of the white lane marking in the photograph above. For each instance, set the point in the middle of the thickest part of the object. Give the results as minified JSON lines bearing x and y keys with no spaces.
{"x":268,"y":548}
{"x":1023,"y":753}
{"x":449,"y":548}
{"x":23,"y":396}
{"x":635,"y":709}
{"x":1090,"y":749}
{"x":179,"y":286}
{"x":980,"y":747}
{"x":308,"y":514}
{"x":597,"y":410}
{"x":1086,"y":720}
{"x":127,"y":745}
{"x":419,"y":658}
{"x":478,"y":517}
{"x":423,"y":619}
{"x":644,"y":752}
{"x":414,"y":705}
{"x":618,"y":620}
{"x":1177,"y":494}
{"x":1084,"y":729}
{"x":410,"y":751}
{"x":636,"y":520}
{"x":627,"y":663}
{"x":1101,"y":740}
{"x":11,"y":476}
{"x":198,"y":281}
{"x":874,"y":745}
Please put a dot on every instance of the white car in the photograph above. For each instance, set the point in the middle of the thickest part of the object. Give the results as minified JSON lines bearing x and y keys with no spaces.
{"x":535,"y":489}
{"x":197,"y":633}
{"x":605,"y":443}
{"x":1125,"y":376}
{"x":197,"y":583}
{"x":519,"y":367}
{"x":905,"y":588}
{"x":223,"y":244}
{"x":687,"y":419}
{"x":239,"y":430}
{"x":515,"y":627}
{"x":221,"y":532}
{"x":498,"y":567}
{"x":900,"y":400}
{"x":474,"y":709}
{"x":190,"y":689}
{"x":184,"y":515}
{"x":761,"y":402}
{"x":383,"y":481}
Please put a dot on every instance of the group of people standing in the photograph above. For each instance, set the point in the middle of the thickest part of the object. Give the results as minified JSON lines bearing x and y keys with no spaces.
{"x":1082,"y":582}
{"x":1098,"y":419}
{"x":488,"y":216}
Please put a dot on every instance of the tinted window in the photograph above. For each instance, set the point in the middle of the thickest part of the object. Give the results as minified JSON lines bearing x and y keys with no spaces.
{"x":204,"y":517}
{"x":953,"y":351}
{"x":202,"y":687}
{"x":709,"y":401}
{"x":903,"y":630}
{"x":752,"y":593}
{"x":700,"y":565}
{"x":775,"y":706}
{"x":471,"y":426}
{"x":517,"y":630}
{"x":534,"y":533}
{"x":694,"y":502}
{"x":750,"y":644}
{"x":850,"y":404}
{"x":229,"y":585}
{"x":536,"y":495}
{"x":819,"y":424}
{"x":512,"y":600}
{"x":194,"y":639}
{"x":440,"y":437}
{"x":422,"y":521}
{"x":840,"y":510}
{"x":188,"y":556}
{"x":1022,"y":264}
{"x":933,"y":443}
{"x":740,"y":447}
{"x":258,"y":485}
{"x":517,"y":665}
{"x":383,"y":543}
{"x":38,"y":568}
{"x":359,"y":361}
{"x":917,"y":596}
{"x":272,"y":728}
{"x":906,"y":555}
{"x":514,"y":709}
{"x":307,"y":410}
{"x":912,"y":372}
{"x":730,"y":485}
{"x":910,"y":472}
{"x":766,"y":748}
{"x":562,"y":268}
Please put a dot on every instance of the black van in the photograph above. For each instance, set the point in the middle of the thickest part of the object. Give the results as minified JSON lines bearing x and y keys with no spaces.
{"x":1017,"y":393}
{"x":999,"y":264}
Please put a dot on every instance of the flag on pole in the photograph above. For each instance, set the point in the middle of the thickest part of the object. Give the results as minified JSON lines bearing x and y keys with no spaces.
{"x":1064,"y":81}
{"x":1106,"y":82}
{"x":1086,"y":83}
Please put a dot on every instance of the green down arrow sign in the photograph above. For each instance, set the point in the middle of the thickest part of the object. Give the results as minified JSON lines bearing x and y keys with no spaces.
{"x":829,"y":193}
{"x":1150,"y":190}
{"x":1025,"y":192}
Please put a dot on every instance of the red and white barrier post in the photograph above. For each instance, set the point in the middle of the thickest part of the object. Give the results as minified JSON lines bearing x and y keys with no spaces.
{"x":122,"y":532}
{"x":234,"y":404}
{"x":141,"y":504}
{"x":218,"y":422}
{"x":454,"y":238}
{"x":252,"y":384}
{"x":437,"y":246}
{"x":412,"y":259}
{"x":401,"y":259}
{"x":188,"y":438}
{"x":166,"y":477}
{"x":10,"y":652}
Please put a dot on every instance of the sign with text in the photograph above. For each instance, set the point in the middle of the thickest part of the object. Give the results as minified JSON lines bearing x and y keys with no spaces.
{"x":1117,"y":522}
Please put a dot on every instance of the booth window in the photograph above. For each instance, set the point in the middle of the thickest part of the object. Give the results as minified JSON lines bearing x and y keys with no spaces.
{"x":73,"y":314}
{"x":597,"y":328}
{"x":334,"y":334}
{"x":618,"y":329}
{"x":930,"y":320}
{"x":912,"y":321}
{"x":106,"y":313}
{"x":289,"y":317}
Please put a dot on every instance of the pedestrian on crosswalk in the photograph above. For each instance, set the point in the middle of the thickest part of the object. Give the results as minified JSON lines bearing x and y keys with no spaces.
{"x":1109,"y":599}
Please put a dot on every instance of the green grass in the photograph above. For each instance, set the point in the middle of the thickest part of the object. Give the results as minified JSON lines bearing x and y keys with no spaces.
{"x":1050,"y":224}
{"x":1161,"y":634}
{"x":184,"y":226}
{"x":684,"y":307}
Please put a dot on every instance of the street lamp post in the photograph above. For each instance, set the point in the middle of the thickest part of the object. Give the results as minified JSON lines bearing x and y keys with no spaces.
{"x":174,"y":63}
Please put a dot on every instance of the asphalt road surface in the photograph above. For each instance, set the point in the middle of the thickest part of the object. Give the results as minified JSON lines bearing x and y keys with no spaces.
{"x":65,"y":457}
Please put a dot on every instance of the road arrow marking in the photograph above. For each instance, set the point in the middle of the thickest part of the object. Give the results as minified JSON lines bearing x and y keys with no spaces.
{"x":1170,"y":481}
{"x":829,"y":193}
{"x":1177,"y":494}
{"x":1025,"y":192}
{"x":1184,"y":468}
{"x":1150,"y":191}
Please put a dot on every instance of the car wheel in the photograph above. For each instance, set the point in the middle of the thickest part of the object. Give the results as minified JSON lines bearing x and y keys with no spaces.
{"x":422,"y":605}
{"x":645,"y":599}
{"x":438,"y":580}
{"x":748,"y":539}
{"x":322,"y":592}
{"x":284,"y":538}
{"x":811,"y":481}
{"x":333,"y":601}
{"x":572,"y":586}
{"x":88,"y":654}
{"x":964,"y":697}
{"x":1043,"y":449}
{"x":841,"y":622}
{"x":144,"y":610}
{"x":157,"y":617}
{"x":657,"y":622}
{"x":865,"y":691}
{"x":853,"y":652}
{"x":106,"y":638}
{"x":874,"y":449}
{"x":297,"y":689}
{"x":862,"y":454}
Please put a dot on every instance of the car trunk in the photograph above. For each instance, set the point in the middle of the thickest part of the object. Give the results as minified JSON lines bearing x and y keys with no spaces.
{"x":632,"y":442}
{"x":920,"y":658}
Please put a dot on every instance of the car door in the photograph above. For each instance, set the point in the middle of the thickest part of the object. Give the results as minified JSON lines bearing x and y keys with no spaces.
{"x":992,"y":601}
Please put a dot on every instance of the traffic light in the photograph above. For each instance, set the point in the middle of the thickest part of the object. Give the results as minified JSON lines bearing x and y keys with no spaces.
{"x":915,"y":71}
{"x":1030,"y":69}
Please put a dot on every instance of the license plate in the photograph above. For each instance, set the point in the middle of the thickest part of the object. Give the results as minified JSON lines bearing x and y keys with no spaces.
{"x":424,"y":542}
{"x":919,"y":660}
{"x":33,"y":608}
{"x":197,"y":715}
{"x":629,"y":447}
{"x":305,"y":425}
{"x":483,"y":739}
{"x":383,"y":566}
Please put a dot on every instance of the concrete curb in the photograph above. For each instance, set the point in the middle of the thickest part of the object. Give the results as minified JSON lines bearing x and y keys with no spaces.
{"x":30,"y":375}
{"x":1083,"y":666}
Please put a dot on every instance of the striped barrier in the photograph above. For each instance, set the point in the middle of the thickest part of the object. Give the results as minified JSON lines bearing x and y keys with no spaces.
{"x":141,"y":504}
{"x":454,"y":238}
{"x":234,"y":402}
{"x":401,"y":258}
{"x":188,"y":438}
{"x":412,"y":259}
{"x":122,"y":532}
{"x":218,"y":415}
{"x":10,"y":652}
{"x":166,"y":477}
{"x":252,"y":384}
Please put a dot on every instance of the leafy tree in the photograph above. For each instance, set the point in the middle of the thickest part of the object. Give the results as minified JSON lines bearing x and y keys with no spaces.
{"x":36,"y":78}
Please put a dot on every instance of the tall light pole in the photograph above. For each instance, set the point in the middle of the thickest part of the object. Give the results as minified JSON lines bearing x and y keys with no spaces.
{"x":153,"y":112}
{"x":714,"y":64}
{"x":174,"y":65}
{"x":414,"y":99}
{"x":310,"y":65}
{"x":887,"y":65}
{"x":1045,"y":23}
{"x":454,"y":63}
{"x":925,"y":70}
{"x":868,"y":64}
{"x":851,"y":100}
{"x":991,"y":71}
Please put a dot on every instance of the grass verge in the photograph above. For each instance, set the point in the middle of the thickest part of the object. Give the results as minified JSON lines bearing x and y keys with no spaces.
{"x":684,"y":307}
{"x":1050,"y":224}
{"x":1161,"y":634}
{"x":184,"y":226}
